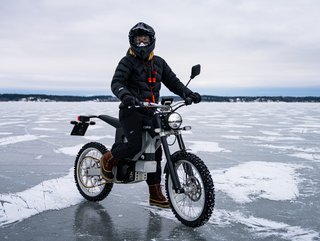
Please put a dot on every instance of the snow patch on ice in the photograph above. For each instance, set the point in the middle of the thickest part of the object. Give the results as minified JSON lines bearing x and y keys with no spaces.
{"x":11,"y":123}
{"x":52,"y":194}
{"x":205,"y":146}
{"x":263,"y":227}
{"x":16,"y":139}
{"x":229,"y":126}
{"x":294,"y":148}
{"x":307,"y":156}
{"x":71,"y":151}
{"x":271,"y":133}
{"x":253,"y":180}
{"x":274,"y":138}
{"x":258,"y":226}
{"x":232,"y":137}
{"x":298,"y":130}
{"x":234,"y":131}
{"x":310,"y":153}
{"x":309,"y":125}
{"x":45,"y":121}
{"x":44,"y":129}
{"x":5,"y":133}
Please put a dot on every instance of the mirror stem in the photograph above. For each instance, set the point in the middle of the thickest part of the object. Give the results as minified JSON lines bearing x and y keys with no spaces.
{"x":188,"y":82}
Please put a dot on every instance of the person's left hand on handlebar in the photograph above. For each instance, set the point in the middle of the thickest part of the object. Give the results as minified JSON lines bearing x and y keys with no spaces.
{"x":195,"y":97}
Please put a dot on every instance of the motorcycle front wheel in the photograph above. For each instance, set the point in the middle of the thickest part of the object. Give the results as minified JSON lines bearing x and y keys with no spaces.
{"x":87,"y":174}
{"x":195,"y":205}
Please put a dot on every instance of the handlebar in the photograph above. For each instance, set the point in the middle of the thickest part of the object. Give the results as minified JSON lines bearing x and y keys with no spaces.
{"x":153,"y":105}
{"x":156,"y":105}
{"x":173,"y":107}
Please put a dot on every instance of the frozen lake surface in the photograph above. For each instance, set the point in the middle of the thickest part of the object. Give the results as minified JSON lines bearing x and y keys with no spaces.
{"x":264,"y":159}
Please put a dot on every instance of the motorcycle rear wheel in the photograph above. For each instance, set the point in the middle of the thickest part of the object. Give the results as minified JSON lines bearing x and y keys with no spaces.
{"x":194,"y":207}
{"x":87,"y":176}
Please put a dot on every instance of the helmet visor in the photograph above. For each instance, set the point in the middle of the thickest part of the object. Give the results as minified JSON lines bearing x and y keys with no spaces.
{"x":142,"y":40}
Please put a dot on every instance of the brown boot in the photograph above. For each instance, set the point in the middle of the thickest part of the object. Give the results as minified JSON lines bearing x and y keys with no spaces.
{"x":156,"y":197}
{"x":107,"y":162}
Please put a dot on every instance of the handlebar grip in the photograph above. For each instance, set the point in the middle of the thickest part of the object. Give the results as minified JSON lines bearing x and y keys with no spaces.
{"x":140,"y":105}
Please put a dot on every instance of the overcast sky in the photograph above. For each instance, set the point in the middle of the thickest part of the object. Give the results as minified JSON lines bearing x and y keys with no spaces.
{"x":244,"y":46}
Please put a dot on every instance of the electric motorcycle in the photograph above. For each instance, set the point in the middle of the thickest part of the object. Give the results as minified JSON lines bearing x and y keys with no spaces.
{"x":188,"y":183}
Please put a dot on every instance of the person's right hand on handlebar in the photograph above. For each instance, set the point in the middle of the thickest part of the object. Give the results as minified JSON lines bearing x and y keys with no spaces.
{"x":193,"y":97}
{"x":129,"y":100}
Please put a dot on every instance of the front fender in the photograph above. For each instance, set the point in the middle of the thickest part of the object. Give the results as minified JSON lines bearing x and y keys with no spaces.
{"x":166,"y":168}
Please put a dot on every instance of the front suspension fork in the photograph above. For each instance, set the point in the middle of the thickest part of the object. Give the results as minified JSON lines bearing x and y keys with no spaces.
{"x":187,"y":168}
{"x":180,"y":142}
{"x":173,"y":172}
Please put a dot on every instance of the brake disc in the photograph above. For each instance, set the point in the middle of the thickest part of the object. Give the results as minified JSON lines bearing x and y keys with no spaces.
{"x":193,"y":189}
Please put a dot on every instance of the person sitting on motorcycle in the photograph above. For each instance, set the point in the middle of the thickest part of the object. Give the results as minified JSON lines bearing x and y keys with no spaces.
{"x":137,"y":79}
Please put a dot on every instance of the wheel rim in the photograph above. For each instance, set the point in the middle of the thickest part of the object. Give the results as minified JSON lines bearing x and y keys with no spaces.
{"x":90,"y":185}
{"x":188,"y":205}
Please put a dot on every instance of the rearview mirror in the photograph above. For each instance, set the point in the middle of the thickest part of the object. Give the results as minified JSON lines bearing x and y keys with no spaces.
{"x":195,"y":71}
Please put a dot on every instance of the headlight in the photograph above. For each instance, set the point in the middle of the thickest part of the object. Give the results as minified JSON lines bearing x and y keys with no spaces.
{"x":174,"y":120}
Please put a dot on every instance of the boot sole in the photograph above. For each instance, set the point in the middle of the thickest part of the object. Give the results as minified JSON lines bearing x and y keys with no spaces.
{"x":157,"y":204}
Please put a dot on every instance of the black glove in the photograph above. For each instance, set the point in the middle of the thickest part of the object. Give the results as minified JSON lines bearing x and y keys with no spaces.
{"x":129,"y":100}
{"x":188,"y":101}
{"x":195,"y":97}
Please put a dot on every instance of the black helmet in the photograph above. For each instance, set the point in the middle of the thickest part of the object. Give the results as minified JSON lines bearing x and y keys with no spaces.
{"x":141,"y":29}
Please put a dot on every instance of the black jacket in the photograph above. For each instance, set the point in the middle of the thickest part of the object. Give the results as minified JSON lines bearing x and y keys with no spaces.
{"x":131,"y":78}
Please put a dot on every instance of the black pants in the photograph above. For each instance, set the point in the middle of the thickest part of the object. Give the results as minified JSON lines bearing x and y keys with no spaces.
{"x":132,"y":121}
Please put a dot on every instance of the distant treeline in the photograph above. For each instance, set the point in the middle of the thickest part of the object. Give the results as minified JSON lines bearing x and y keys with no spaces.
{"x":107,"y":98}
{"x":56,"y":98}
{"x":210,"y":98}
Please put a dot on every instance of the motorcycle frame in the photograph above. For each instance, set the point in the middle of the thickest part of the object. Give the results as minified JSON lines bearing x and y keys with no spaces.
{"x":84,"y":121}
{"x":163,"y":134}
